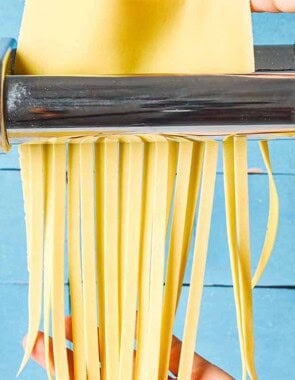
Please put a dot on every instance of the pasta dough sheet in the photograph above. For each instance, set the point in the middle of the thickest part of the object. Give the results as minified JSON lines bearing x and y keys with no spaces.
{"x":120,"y":37}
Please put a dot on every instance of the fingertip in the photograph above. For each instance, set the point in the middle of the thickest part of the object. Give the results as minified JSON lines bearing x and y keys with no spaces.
{"x":68,"y":327}
{"x":68,"y":319}
{"x":263,"y":6}
{"x":39,"y":348}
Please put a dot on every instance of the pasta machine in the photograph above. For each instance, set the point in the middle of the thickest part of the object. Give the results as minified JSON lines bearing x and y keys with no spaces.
{"x":50,"y":106}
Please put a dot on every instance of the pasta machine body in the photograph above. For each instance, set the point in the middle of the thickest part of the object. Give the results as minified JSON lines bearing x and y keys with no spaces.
{"x":216,"y":105}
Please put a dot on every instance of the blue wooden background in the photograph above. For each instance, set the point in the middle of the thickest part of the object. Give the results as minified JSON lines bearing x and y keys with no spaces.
{"x":274,"y":302}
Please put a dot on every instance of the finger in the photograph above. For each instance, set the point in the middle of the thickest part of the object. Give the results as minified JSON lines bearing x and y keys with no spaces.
{"x":273,"y":5}
{"x":284,"y":5}
{"x":68,"y":327}
{"x":175,"y":355}
{"x":38,"y":354}
{"x":200,"y":364}
{"x":263,"y":6}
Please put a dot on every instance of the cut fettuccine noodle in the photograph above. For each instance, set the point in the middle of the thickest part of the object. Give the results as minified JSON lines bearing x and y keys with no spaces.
{"x":32,"y":169}
{"x":273,"y":217}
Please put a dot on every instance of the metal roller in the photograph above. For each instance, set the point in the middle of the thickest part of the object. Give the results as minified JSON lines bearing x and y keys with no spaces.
{"x":215,"y":105}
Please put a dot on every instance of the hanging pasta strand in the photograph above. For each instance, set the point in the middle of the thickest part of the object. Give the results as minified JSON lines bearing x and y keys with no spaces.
{"x":24,"y":161}
{"x":199,"y":261}
{"x":194,"y":186}
{"x":236,"y":200}
{"x":273,"y":217}
{"x":174,"y":256}
{"x":107,"y":184}
{"x":142,"y":338}
{"x":229,"y":189}
{"x":32,"y":169}
{"x":172,"y":171}
{"x":48,"y":217}
{"x":88,"y":250}
{"x":243,"y":234}
{"x":75,"y":270}
{"x":130,"y":193}
{"x":57,"y":283}
{"x":159,"y":230}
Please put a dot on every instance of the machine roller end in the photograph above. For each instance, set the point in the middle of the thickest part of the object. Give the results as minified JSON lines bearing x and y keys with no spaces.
{"x":7,"y":58}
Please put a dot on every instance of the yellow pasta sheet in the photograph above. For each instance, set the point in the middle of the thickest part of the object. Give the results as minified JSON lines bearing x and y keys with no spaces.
{"x":118,"y":37}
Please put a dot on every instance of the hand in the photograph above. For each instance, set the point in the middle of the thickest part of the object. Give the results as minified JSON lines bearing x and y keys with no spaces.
{"x":273,"y":5}
{"x":202,"y":369}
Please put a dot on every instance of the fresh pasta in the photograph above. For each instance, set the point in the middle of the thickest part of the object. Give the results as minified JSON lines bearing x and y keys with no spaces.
{"x":121,"y":181}
{"x":130,"y":205}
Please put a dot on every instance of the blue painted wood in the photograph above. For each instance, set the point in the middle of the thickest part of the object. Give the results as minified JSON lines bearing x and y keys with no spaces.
{"x":10,"y":160}
{"x":274,"y":29}
{"x":274,"y":330}
{"x":281,"y":153}
{"x":10,"y":17}
{"x":13,"y":265}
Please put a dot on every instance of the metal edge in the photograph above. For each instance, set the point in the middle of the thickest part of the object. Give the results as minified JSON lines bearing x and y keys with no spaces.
{"x":7,"y":58}
{"x":269,"y":59}
{"x":274,"y":57}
